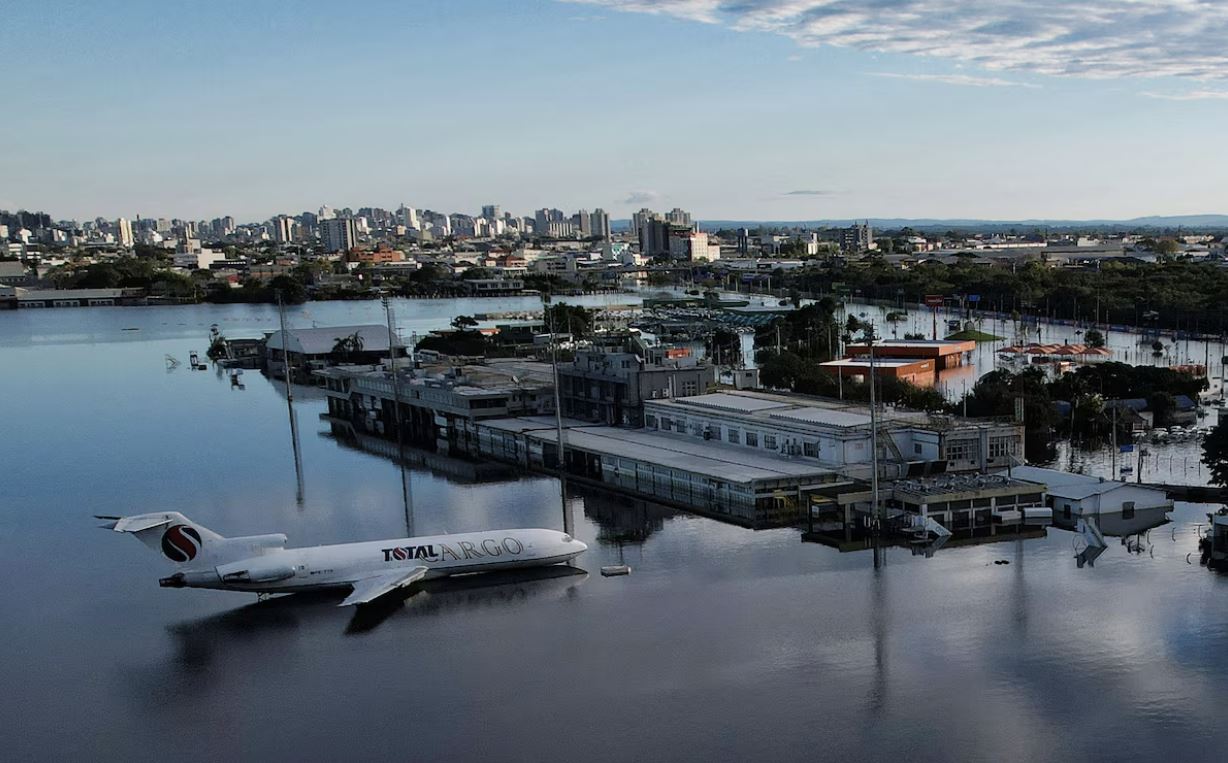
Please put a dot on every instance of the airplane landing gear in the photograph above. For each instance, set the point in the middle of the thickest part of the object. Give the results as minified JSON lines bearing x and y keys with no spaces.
{"x":263,"y":597}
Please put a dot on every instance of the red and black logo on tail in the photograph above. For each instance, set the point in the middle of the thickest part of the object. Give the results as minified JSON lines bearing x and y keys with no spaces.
{"x":180,"y":543}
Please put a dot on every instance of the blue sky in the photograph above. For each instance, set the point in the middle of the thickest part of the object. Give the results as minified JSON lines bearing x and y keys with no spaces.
{"x":920,"y":108}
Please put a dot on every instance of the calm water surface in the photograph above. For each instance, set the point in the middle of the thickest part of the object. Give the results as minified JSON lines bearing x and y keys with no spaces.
{"x":723,"y":643}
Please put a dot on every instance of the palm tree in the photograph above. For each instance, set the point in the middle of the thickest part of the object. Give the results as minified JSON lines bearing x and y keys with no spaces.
{"x":345,"y":348}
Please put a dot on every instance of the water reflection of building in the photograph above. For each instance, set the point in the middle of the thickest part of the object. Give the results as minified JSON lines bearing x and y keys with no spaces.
{"x":621,"y":519}
{"x":458,"y":469}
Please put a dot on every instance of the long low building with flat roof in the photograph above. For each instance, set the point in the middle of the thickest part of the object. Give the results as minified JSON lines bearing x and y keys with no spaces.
{"x":15,"y":297}
{"x":916,"y":371}
{"x":946,"y":353}
{"x":710,"y":478}
{"x":836,"y":434}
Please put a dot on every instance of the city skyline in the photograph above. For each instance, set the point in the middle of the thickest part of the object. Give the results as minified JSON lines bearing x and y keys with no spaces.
{"x":756,"y":111}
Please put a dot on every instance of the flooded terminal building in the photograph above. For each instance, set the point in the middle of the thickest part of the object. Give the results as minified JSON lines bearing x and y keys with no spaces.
{"x":751,"y":458}
{"x":836,"y":434}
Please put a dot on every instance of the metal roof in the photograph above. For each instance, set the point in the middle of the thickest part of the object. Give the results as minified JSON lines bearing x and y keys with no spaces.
{"x":1071,"y":485}
{"x":701,"y":457}
{"x":878,"y":362}
{"x":731,"y":402}
{"x":39,"y":295}
{"x":824,"y":416}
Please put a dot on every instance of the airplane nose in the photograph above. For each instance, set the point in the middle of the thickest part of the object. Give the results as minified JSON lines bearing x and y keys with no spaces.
{"x":581,"y":544}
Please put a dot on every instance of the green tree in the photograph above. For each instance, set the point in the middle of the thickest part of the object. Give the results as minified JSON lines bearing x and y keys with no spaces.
{"x":430,"y":273}
{"x":1094,"y":338}
{"x":293,"y":292}
{"x":1166,"y":247}
{"x":573,"y":319}
{"x":1162,"y":405}
{"x":1215,"y":453}
{"x":347,"y":348}
{"x":103,"y":275}
{"x":477,"y":273}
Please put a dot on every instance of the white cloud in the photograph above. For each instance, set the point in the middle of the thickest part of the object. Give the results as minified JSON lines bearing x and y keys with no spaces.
{"x":965,"y":80}
{"x":1192,"y":95}
{"x":642,"y":197}
{"x":1085,"y":38}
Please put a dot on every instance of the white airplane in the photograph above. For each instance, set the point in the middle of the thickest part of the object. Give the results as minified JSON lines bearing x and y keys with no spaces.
{"x":262,"y":563}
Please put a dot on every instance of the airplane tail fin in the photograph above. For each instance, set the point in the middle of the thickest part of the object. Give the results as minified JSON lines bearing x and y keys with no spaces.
{"x":170,"y":533}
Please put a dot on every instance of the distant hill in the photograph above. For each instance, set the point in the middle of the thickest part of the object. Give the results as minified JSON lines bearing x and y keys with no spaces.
{"x":1158,"y":222}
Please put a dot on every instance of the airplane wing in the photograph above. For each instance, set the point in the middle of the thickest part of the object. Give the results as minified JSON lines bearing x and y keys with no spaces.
{"x":370,"y":589}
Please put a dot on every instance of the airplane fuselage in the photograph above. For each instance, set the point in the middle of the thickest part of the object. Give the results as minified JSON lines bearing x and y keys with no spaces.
{"x":279,"y":569}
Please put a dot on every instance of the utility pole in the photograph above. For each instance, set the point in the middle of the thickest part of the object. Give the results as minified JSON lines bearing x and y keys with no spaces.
{"x":876,"y":509}
{"x":1114,"y":442}
{"x":558,"y":417}
{"x":286,"y":371}
{"x":396,"y":401}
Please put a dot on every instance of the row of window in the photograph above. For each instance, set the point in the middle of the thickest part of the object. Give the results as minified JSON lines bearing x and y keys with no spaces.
{"x":731,"y":435}
{"x":967,"y":450}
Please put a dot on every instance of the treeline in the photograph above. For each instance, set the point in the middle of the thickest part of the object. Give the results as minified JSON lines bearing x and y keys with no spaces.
{"x":1180,"y":294}
{"x":125,"y":272}
{"x":464,"y":338}
{"x":1087,"y":389}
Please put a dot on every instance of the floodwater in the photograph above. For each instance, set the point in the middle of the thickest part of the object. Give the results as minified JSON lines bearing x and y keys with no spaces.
{"x":723,"y":643}
{"x":1132,"y":347}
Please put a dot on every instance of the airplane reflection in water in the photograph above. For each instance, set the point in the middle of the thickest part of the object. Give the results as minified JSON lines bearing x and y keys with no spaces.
{"x":206,"y":647}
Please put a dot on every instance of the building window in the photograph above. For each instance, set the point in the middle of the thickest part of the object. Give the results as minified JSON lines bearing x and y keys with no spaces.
{"x":1127,"y":510}
{"x":960,"y":450}
{"x":810,"y":449}
{"x":690,"y":388}
{"x":916,"y":448}
{"x":752,"y":439}
{"x":650,"y":422}
{"x":666,"y":424}
{"x":733,"y":436}
{"x":999,"y":447}
{"x":769,"y":441}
